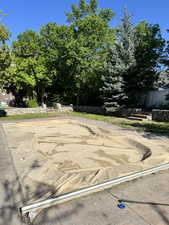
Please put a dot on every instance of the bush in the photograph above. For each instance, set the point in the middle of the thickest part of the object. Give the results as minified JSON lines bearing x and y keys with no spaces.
{"x":32,"y":103}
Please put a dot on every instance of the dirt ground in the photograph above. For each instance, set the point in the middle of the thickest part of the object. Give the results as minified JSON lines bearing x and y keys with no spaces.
{"x":57,"y":156}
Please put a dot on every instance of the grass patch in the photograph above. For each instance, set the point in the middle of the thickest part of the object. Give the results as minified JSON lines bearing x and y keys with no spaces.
{"x":4,"y":107}
{"x":30,"y":116}
{"x":147,"y":126}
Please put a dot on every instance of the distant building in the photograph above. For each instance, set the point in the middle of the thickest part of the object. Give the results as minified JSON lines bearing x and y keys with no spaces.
{"x":5,"y":98}
{"x":157,"y":98}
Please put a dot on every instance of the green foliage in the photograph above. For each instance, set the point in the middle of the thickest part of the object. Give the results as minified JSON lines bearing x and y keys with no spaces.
{"x":57,"y":49}
{"x":120,"y":61}
{"x":54,"y":99}
{"x":112,"y":84}
{"x":137,"y":53}
{"x":143,"y":76}
{"x":30,"y":69}
{"x":32,"y":103}
{"x":125,"y":46}
{"x":166,"y":55}
{"x":5,"y":57}
{"x":4,"y":34}
{"x":5,"y":61}
{"x":27,"y":45}
{"x":148,"y":55}
{"x":74,"y":62}
{"x":166,"y":63}
{"x":145,"y":48}
{"x":84,"y":9}
{"x":75,"y":54}
{"x":88,"y":49}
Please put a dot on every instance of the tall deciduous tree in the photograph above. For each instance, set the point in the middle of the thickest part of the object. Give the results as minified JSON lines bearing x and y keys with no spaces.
{"x":83,"y":9}
{"x":58,"y":51}
{"x":148,"y":53}
{"x":75,"y":54}
{"x":30,"y":71}
{"x":5,"y":57}
{"x":92,"y":36}
{"x":166,"y":57}
{"x":165,"y":61}
{"x":143,"y":76}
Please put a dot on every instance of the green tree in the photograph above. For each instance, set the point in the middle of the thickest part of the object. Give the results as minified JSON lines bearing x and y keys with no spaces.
{"x":83,"y":9}
{"x":92,"y":37}
{"x":30,"y":72}
{"x":126,"y":46}
{"x":5,"y":57}
{"x":148,"y":54}
{"x":120,"y":62}
{"x":57,"y":43}
{"x":4,"y":34}
{"x":112,"y":92}
{"x":166,"y":55}
{"x":75,"y":54}
{"x":165,"y":61}
{"x":140,"y":50}
{"x":144,"y":75}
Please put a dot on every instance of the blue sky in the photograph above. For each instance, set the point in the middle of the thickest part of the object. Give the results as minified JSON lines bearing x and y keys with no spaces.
{"x":32,"y":14}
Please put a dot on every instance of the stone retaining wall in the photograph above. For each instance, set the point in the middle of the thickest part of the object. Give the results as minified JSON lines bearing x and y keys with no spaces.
{"x":160,"y":115}
{"x":89,"y":109}
{"x":21,"y":111}
{"x":128,"y":111}
{"x":100,"y":110}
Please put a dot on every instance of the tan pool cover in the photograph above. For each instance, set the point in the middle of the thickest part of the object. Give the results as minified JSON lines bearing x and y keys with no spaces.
{"x":57,"y":156}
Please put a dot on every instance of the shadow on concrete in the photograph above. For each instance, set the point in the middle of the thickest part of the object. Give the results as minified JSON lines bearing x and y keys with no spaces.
{"x":53,"y":216}
{"x":156,"y":207}
{"x":14,"y":197}
{"x":143,"y":203}
{"x":162,"y":214}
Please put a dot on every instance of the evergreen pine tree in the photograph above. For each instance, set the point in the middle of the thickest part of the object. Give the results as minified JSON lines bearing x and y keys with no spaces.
{"x":120,"y":60}
{"x":127,"y":37}
{"x":112,"y":84}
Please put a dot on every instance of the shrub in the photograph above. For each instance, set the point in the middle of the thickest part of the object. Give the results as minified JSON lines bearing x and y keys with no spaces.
{"x":32,"y":103}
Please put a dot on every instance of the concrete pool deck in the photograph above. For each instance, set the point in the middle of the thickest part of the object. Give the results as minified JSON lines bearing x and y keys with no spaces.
{"x":150,"y":196}
{"x":10,"y":188}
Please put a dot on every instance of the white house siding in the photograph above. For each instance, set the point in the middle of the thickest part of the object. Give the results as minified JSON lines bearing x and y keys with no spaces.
{"x":155,"y":98}
{"x":5,"y":98}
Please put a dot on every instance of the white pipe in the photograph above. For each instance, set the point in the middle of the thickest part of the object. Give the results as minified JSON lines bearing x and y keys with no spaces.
{"x":82,"y":192}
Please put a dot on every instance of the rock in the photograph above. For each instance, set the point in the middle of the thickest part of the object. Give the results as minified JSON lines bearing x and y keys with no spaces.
{"x":59,"y":107}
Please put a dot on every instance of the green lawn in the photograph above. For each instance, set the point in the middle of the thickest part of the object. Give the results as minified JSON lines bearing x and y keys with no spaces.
{"x":30,"y":116}
{"x":148,"y":126}
{"x":4,"y":107}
